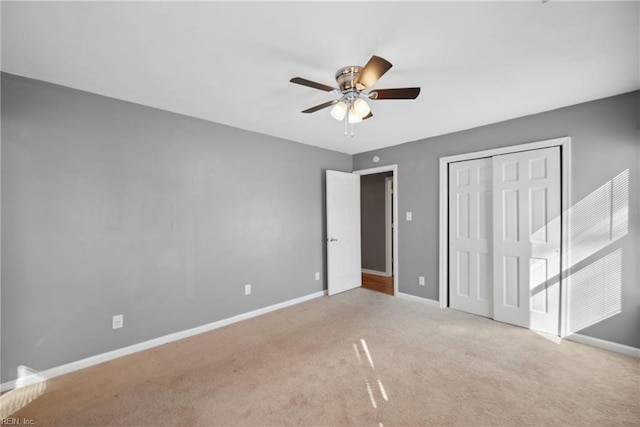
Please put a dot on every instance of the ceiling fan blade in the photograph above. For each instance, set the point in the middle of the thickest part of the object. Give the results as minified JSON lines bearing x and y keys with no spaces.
{"x":375,"y":68}
{"x":309,"y":83}
{"x":368,"y":116}
{"x":320,"y":107}
{"x":398,"y":93}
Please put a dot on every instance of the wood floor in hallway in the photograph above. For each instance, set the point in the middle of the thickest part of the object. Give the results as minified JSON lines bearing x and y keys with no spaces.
{"x":378,"y":283}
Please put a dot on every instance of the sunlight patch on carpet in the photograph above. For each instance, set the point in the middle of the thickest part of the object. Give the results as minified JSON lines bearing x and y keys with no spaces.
{"x":366,"y":350}
{"x":368,"y":373}
{"x":373,"y":399}
{"x":355,"y":348}
{"x":553,"y":338}
{"x":383,"y":392}
{"x":29,"y":386}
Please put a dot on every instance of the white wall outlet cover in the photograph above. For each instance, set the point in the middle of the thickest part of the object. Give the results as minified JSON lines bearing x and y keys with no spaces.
{"x":317,"y":275}
{"x":409,"y":216}
{"x":421,"y":280}
{"x":118,"y":321}
{"x":247,"y":289}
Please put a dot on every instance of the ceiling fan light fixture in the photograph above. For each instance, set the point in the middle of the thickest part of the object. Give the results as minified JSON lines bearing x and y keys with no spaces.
{"x":339,"y":110}
{"x":361,"y":107}
{"x":354,"y":117}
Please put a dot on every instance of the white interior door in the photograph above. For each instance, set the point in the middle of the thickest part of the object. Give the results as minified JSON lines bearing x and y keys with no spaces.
{"x":526,"y":242}
{"x":343,"y":232}
{"x":470,"y":235}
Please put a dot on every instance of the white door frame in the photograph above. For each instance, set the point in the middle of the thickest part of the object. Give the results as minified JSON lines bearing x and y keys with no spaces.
{"x":388,"y":225}
{"x":565,"y":152}
{"x":394,"y":169}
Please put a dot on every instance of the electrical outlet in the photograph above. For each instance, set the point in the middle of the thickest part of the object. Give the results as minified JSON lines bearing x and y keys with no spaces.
{"x":317,"y":275}
{"x":421,"y":280}
{"x":247,"y":289}
{"x":409,"y":216}
{"x":118,"y":321}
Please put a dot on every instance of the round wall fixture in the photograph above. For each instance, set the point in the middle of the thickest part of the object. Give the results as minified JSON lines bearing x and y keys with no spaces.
{"x":376,"y":159}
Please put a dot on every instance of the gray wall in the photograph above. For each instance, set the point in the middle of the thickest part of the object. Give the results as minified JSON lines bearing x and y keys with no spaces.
{"x":110,"y":207}
{"x":372,"y":225}
{"x":114,"y":208}
{"x":605,"y":141}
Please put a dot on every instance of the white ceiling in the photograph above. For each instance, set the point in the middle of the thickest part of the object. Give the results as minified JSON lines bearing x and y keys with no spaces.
{"x":477,"y":63}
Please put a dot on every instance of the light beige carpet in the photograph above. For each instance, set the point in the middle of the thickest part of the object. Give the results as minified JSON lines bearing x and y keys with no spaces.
{"x":358,"y":358}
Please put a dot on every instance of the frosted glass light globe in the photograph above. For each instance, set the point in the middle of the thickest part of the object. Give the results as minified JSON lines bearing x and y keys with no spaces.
{"x":354,"y":117}
{"x":339,"y":110}
{"x":361,"y":107}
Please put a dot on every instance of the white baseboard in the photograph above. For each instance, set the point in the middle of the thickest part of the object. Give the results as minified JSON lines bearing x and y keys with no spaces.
{"x":606,"y":345}
{"x":114,"y":354}
{"x":376,"y":272}
{"x":422,"y":300}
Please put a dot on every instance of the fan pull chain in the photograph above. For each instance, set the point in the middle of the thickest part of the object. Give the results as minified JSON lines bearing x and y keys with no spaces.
{"x":346,"y":125}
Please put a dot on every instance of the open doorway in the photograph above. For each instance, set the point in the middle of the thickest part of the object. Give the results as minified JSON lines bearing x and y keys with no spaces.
{"x":377,"y":230}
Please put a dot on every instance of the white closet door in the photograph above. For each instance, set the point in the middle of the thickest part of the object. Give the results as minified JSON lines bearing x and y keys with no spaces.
{"x":470,"y":231}
{"x":526,"y":245}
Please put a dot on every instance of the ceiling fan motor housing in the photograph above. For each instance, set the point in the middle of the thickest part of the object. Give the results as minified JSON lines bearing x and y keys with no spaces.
{"x":347,"y":77}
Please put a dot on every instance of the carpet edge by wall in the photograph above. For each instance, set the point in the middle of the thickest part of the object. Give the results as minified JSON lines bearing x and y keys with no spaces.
{"x":155,"y":342}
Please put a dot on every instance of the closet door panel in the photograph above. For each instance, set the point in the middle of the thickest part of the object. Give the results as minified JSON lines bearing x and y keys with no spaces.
{"x":526,"y":246}
{"x":470,"y":235}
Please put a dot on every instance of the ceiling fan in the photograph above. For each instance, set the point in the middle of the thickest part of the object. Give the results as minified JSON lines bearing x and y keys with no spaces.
{"x":354,"y":83}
